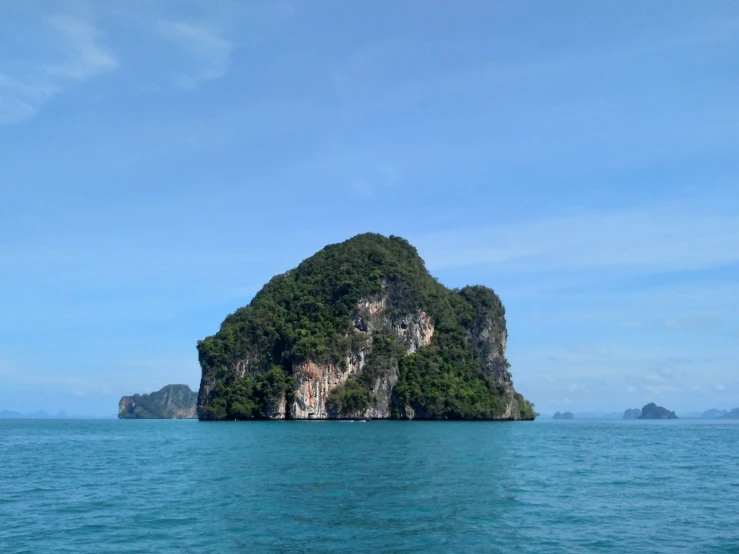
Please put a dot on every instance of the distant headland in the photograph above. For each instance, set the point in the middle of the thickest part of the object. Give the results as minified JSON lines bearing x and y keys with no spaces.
{"x":171,"y":402}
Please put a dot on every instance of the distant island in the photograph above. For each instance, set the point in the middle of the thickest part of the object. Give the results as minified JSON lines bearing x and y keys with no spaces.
{"x":652,"y":411}
{"x":733,"y":414}
{"x":361,"y":330}
{"x":565,"y":415}
{"x":714,"y":414}
{"x":634,"y":413}
{"x":171,"y":402}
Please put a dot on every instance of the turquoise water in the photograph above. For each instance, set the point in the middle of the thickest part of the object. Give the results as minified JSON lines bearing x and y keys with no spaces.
{"x":549,"y":487}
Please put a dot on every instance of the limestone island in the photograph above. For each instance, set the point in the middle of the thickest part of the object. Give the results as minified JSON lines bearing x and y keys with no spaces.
{"x":361,"y":330}
{"x":714,"y":414}
{"x":634,"y":413}
{"x":171,"y":402}
{"x":565,"y":415}
{"x":652,"y":411}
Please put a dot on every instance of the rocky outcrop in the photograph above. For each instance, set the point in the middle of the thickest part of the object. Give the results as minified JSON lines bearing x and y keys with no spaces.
{"x":565,"y":415}
{"x":314,"y":383}
{"x":171,"y":402}
{"x":310,"y":346}
{"x":652,"y":411}
{"x":634,"y":413}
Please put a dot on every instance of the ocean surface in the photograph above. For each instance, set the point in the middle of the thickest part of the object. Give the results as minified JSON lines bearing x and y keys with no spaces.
{"x":544,"y":487}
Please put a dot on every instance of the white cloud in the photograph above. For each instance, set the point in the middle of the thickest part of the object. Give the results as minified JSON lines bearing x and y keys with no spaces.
{"x":209,"y":52}
{"x":718,"y":387}
{"x":76,"y":54}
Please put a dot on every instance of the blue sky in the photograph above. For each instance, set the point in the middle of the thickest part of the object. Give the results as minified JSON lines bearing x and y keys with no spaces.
{"x":160,"y":161}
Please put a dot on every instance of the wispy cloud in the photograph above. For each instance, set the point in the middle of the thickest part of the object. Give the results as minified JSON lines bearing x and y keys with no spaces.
{"x":660,"y":389}
{"x":649,"y":239}
{"x":701,"y":322}
{"x":86,"y":57}
{"x":597,"y":351}
{"x":209,"y":51}
{"x":76,"y":54}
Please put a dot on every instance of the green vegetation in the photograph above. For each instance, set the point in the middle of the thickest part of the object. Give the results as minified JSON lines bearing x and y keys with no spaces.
{"x":305,"y":314}
{"x":525,"y":408}
{"x":348,"y":399}
{"x":251,"y":397}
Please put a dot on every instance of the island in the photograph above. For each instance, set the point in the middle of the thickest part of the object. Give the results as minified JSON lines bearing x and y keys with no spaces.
{"x":634,"y":413}
{"x":361,"y":330}
{"x":171,"y":402}
{"x":652,"y":411}
{"x":714,"y":414}
{"x":733,"y":414}
{"x":565,"y":415}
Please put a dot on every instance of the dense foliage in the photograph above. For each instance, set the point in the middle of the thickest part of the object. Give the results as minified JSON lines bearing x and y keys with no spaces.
{"x":306,"y":314}
{"x":251,"y":397}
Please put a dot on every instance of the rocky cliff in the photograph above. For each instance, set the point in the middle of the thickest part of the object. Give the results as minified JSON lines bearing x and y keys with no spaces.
{"x":171,"y":402}
{"x":361,"y":330}
{"x":652,"y":411}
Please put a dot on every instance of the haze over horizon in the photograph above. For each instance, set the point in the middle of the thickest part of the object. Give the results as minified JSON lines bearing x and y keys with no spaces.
{"x":162,"y":161}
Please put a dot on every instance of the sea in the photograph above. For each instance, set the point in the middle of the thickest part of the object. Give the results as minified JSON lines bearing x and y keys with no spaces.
{"x":380,"y":486}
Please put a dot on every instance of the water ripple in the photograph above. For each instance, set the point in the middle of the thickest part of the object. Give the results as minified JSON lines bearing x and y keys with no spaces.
{"x":546,"y":487}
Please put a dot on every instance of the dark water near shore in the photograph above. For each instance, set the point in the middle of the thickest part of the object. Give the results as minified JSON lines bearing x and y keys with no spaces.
{"x":549,"y":487}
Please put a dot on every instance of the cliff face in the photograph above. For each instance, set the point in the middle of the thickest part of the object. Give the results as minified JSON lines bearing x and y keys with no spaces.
{"x":315,"y":381}
{"x":316,"y":353}
{"x":171,"y":402}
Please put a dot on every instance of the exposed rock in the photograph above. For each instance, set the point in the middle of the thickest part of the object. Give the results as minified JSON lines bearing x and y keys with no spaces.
{"x":634,"y":413}
{"x":171,"y":402}
{"x":652,"y":411}
{"x":565,"y":415}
